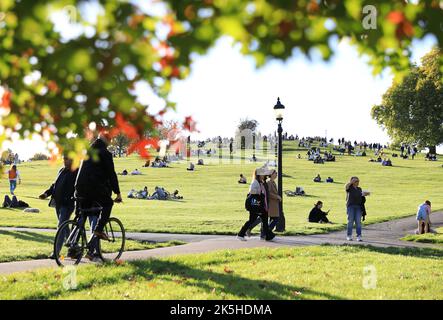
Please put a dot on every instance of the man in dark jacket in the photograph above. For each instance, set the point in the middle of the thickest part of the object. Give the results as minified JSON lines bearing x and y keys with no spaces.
{"x":96,"y":180}
{"x":62,"y":191}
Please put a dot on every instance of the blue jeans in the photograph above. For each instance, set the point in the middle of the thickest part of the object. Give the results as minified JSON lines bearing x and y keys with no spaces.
{"x":63,"y":214}
{"x":12,"y":185}
{"x":354,"y":216}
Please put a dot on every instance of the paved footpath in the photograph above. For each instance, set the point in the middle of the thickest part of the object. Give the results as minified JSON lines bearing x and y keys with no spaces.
{"x":385,"y":234}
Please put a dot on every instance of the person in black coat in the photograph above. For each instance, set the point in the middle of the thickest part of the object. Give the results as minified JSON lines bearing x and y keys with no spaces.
{"x":62,"y":192}
{"x":96,"y":180}
{"x":317,"y":215}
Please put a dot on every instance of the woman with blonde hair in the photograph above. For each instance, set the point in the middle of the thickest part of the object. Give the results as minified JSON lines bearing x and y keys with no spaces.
{"x":354,"y":201}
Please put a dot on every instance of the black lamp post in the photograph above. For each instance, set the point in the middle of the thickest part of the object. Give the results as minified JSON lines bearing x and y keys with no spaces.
{"x":279,"y":110}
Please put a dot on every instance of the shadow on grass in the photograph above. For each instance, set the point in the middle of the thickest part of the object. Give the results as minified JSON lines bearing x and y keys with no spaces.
{"x":429,"y":253}
{"x":28,"y":236}
{"x":228,"y":283}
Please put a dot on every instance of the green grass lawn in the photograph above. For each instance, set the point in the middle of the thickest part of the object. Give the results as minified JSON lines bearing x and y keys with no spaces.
{"x":26,"y":245}
{"x":324,"y":272}
{"x":427,"y":237}
{"x":214,"y":201}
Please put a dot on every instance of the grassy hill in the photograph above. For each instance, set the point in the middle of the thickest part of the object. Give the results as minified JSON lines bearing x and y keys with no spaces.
{"x":214,"y":201}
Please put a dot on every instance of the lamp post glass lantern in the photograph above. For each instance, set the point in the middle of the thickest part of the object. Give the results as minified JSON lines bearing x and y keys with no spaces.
{"x":279,"y":110}
{"x":279,"y":113}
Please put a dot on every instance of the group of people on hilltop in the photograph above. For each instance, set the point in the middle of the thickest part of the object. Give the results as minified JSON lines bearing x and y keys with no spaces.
{"x":408,"y":150}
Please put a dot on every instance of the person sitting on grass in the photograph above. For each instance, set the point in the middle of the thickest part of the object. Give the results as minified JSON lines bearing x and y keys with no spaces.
{"x":147,"y":164}
{"x":386,"y":163}
{"x":124,"y":173}
{"x":317,"y":215}
{"x":159,"y":194}
{"x":242,"y":179}
{"x":136,"y":172}
{"x":317,"y":178}
{"x":144,"y":193}
{"x":423,"y":217}
{"x":329,"y":180}
{"x":200,"y":162}
{"x":174,"y":195}
{"x":191,"y":167}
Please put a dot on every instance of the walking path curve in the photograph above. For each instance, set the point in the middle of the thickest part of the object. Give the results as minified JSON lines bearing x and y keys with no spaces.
{"x":385,"y":234}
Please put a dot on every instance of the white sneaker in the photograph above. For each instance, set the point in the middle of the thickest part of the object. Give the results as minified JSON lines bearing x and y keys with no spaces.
{"x":349,"y":238}
{"x":359,"y":238}
{"x":241,"y":238}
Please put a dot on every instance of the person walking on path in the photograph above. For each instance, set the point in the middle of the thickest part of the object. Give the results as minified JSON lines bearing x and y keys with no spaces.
{"x":274,"y":201}
{"x":354,"y":200}
{"x":274,"y":209}
{"x":61,"y":193}
{"x":13,"y":176}
{"x":423,"y":213}
{"x":96,"y":180}
{"x":258,"y":193}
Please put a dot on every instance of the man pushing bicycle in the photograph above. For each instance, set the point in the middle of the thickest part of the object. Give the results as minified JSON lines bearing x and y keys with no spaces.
{"x":96,"y":180}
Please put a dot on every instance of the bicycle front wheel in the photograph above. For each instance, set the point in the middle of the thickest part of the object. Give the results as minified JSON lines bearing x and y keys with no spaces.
{"x":112,"y":249}
{"x":69,"y":244}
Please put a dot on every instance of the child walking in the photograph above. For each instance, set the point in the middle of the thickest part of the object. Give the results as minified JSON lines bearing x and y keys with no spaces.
{"x":423,"y":212}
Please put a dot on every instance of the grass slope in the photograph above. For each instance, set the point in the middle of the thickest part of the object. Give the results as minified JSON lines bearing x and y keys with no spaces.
{"x":325,"y":272}
{"x":427,"y":237}
{"x":214,"y":201}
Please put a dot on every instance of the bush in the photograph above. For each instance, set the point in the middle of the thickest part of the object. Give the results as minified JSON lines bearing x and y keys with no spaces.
{"x":39,"y":156}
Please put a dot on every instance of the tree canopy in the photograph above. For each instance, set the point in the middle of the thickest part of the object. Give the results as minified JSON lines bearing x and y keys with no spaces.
{"x":61,"y":86}
{"x":248,"y":124}
{"x":412,"y":110}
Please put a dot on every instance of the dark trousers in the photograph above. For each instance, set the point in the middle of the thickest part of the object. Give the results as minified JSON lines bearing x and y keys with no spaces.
{"x":90,"y":197}
{"x":250,"y":223}
{"x":273,"y":223}
{"x":104,"y":216}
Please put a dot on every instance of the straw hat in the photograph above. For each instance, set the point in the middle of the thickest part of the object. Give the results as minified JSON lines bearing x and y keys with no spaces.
{"x":264,"y":171}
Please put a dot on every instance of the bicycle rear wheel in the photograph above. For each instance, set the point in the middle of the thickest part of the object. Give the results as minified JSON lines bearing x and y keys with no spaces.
{"x":69,"y":244}
{"x":112,"y":249}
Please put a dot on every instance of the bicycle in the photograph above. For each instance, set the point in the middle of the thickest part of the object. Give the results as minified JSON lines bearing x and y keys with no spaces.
{"x":70,"y":240}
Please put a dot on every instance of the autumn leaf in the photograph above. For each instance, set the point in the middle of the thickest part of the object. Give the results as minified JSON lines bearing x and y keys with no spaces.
{"x":404,"y":27}
{"x":125,"y":127}
{"x":141,"y":147}
{"x":190,"y":124}
{"x":119,"y":262}
{"x":6,"y":99}
{"x":227,"y":270}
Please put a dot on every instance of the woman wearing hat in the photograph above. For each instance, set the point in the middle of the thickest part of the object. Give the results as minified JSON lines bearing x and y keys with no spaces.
{"x":258,"y":190}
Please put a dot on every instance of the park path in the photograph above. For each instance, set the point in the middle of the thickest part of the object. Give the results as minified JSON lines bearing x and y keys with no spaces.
{"x":385,"y":234}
